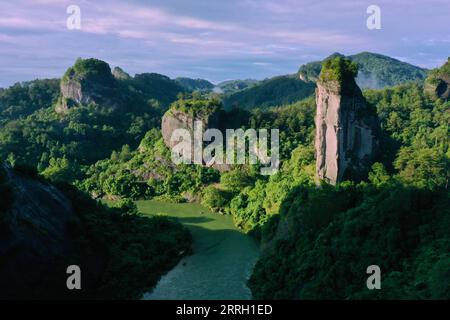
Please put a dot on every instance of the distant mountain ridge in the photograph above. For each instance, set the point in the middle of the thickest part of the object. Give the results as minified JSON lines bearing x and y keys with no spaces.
{"x":195,"y":84}
{"x":91,"y":80}
{"x":376,"y":71}
{"x":232,"y":86}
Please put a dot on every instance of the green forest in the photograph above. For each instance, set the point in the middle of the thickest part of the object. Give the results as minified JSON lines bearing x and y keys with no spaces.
{"x":316,"y":241}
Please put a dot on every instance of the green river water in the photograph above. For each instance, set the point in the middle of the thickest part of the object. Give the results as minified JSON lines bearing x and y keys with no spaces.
{"x":222,"y":261}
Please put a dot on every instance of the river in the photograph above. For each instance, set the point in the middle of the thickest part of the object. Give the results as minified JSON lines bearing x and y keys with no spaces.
{"x":222,"y":260}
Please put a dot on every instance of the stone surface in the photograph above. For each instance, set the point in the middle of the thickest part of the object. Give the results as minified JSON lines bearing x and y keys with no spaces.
{"x":176,"y":119}
{"x":346,"y":132}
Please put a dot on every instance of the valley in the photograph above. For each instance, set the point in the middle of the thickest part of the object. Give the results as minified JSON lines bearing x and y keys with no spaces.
{"x":363,"y":180}
{"x":222,"y":258}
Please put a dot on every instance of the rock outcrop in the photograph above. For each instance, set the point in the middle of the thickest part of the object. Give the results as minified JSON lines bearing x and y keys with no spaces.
{"x":347,"y":129}
{"x":89,"y":81}
{"x":184,"y":115}
{"x":119,"y":74}
{"x":438,"y":82}
{"x":176,"y":119}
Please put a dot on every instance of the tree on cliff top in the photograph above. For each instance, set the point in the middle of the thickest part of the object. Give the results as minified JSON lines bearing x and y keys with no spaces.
{"x":338,"y":69}
{"x":88,"y":68}
{"x":197,"y":105}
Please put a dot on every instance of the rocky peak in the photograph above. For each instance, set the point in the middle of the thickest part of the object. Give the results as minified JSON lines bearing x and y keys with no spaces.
{"x":347,"y":128}
{"x":89,"y":81}
{"x":119,"y":74}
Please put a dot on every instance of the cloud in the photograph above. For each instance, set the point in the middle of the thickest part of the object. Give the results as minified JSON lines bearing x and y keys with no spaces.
{"x":212,"y":39}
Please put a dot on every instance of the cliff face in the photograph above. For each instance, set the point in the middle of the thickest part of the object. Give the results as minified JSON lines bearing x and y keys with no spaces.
{"x":182,"y":119}
{"x":346,"y":132}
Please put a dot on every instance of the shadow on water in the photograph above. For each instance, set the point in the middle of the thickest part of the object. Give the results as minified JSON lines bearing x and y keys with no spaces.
{"x":222,"y":260}
{"x":219,"y":268}
{"x":193,"y":220}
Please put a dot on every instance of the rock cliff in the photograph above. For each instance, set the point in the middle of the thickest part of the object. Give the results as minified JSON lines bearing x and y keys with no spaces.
{"x":89,"y":81}
{"x":184,"y":114}
{"x":347,"y":128}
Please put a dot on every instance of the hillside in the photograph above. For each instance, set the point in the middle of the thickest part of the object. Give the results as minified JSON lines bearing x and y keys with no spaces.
{"x":276,"y":91}
{"x":22,"y":99}
{"x":195,"y":84}
{"x":376,"y":71}
{"x":232,"y":86}
{"x":92,"y":114}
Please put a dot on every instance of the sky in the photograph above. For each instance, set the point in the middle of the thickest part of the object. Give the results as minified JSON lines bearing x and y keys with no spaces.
{"x":214,"y":40}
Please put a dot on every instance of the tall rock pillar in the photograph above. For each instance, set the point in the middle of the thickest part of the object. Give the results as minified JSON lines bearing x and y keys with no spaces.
{"x":347,"y":128}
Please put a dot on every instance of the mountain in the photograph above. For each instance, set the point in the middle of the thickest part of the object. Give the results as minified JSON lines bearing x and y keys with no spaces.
{"x":89,"y":81}
{"x":89,"y":114}
{"x":195,"y":84}
{"x":375,"y":70}
{"x":270,"y":92}
{"x":232,"y":86}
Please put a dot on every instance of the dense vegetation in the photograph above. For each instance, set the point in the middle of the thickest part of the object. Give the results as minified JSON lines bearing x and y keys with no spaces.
{"x":145,"y":173}
{"x":197,"y":105}
{"x":338,"y":69}
{"x":22,"y":99}
{"x":386,"y":70}
{"x":335,"y":234}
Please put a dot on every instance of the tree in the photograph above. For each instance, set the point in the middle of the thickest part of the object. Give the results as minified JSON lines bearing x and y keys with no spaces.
{"x":379,"y":176}
{"x":214,"y":198}
{"x":236,"y":179}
